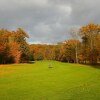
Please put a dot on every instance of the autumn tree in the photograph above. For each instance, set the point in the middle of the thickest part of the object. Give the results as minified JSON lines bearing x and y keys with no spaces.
{"x":70,"y":50}
{"x":4,"y":48}
{"x":13,"y":46}
{"x":14,"y":52}
{"x":89,"y":34}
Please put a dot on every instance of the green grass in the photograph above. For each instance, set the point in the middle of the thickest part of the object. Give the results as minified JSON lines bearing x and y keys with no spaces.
{"x":38,"y":82}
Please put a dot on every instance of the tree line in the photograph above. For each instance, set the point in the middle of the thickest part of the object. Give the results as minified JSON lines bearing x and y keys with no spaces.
{"x":84,"y":47}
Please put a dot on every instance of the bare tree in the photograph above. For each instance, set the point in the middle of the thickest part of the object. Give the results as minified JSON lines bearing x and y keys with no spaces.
{"x":74,"y":33}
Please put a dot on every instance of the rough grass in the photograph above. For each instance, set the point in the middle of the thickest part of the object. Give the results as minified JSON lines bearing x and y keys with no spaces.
{"x":35,"y":81}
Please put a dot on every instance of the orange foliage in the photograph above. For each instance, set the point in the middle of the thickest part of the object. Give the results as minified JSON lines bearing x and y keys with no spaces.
{"x":14,"y":52}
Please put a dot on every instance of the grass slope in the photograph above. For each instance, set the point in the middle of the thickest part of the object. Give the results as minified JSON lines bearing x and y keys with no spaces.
{"x":38,"y":82}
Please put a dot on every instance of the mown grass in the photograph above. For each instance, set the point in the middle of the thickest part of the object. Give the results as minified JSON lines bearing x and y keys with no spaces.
{"x":35,"y":81}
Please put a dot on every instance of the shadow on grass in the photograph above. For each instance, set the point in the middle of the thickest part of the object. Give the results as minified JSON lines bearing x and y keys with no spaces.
{"x":97,"y":66}
{"x":31,"y":62}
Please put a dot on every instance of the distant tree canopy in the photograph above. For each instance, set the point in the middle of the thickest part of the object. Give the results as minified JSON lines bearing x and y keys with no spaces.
{"x":84,"y":47}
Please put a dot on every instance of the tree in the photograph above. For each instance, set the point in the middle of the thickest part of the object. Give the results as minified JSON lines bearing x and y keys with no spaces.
{"x":70,"y":50}
{"x":13,"y":46}
{"x":89,"y":34}
{"x":4,"y":48}
{"x":74,"y":32}
{"x":14,"y":52}
{"x":20,"y":37}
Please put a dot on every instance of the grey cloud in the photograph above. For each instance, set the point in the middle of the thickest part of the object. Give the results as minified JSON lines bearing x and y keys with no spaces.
{"x":48,"y":21}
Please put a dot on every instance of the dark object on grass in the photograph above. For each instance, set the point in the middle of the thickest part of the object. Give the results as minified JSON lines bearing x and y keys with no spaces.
{"x":50,"y":66}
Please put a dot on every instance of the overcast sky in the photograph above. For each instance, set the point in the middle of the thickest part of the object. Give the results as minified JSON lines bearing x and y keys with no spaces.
{"x":48,"y":21}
